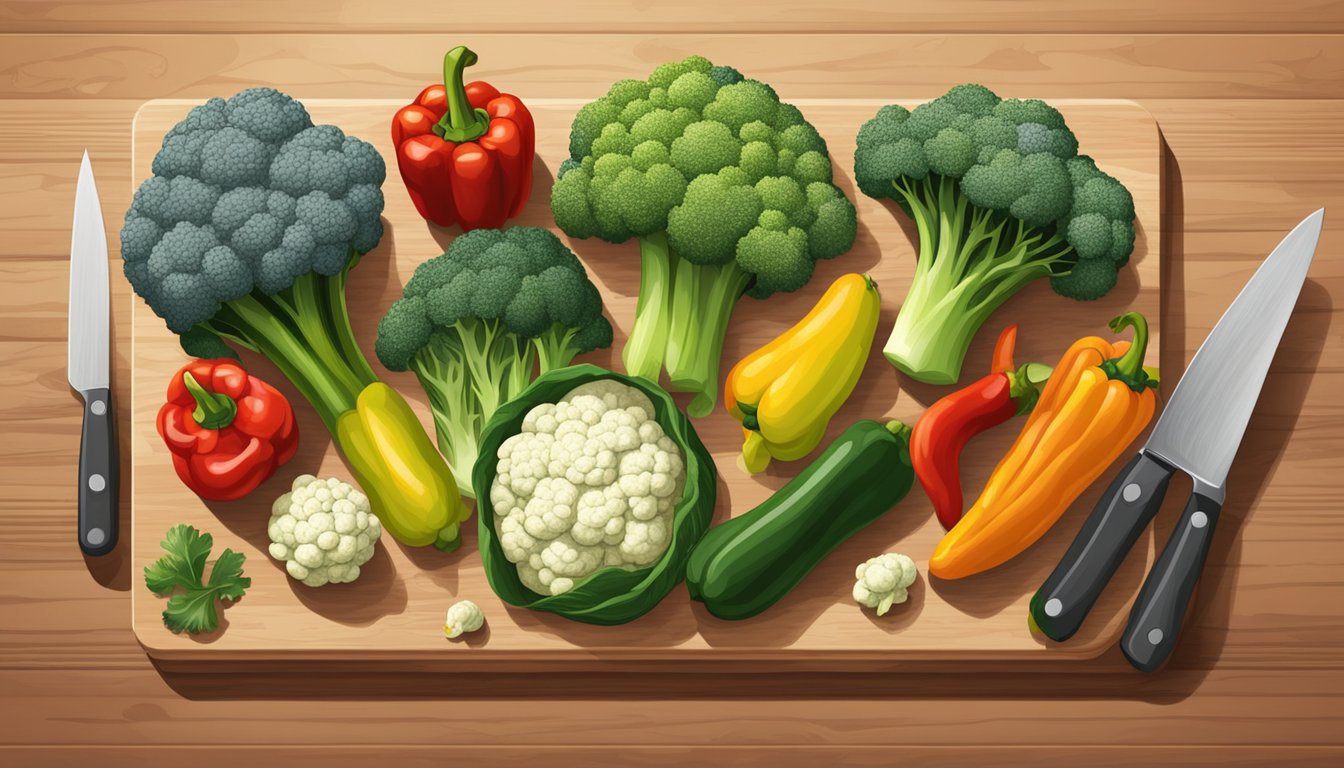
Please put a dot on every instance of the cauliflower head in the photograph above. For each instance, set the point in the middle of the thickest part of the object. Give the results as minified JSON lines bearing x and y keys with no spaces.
{"x":884,"y":580}
{"x":463,"y":616}
{"x":590,"y":482}
{"x":323,"y":530}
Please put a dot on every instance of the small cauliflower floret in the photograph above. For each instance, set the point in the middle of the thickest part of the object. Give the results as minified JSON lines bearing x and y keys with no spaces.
{"x":323,"y":531}
{"x":884,"y":580}
{"x":463,"y":616}
{"x":589,"y":482}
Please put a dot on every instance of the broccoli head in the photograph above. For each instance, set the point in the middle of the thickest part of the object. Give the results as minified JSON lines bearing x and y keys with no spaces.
{"x":1000,"y":197}
{"x":475,"y":323}
{"x":728,"y":191}
{"x":246,"y":232}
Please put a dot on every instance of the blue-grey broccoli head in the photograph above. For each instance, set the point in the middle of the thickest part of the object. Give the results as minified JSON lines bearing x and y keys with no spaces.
{"x":247,"y":194}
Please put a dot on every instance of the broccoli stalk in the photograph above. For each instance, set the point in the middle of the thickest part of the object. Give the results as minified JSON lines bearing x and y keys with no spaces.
{"x":304,"y":331}
{"x":703,"y":299}
{"x":1000,"y":198}
{"x":466,"y":375}
{"x":247,"y":231}
{"x":971,"y":261}
{"x":644,"y":350}
{"x":475,"y":323}
{"x":728,"y":192}
{"x":681,"y":319}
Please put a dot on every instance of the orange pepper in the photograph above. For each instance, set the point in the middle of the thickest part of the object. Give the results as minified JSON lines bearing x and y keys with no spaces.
{"x":1098,"y":400}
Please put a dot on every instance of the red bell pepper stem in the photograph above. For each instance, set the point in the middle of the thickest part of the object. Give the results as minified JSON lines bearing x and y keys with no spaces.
{"x":213,"y":409}
{"x":461,"y":122}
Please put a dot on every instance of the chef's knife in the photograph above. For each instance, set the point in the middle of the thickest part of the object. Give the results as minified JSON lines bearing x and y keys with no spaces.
{"x":89,"y":369}
{"x":1198,"y":433}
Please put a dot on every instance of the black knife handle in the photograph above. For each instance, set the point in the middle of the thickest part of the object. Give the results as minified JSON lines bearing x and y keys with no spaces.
{"x":1061,"y":604}
{"x":1155,"y":622}
{"x":98,"y":475}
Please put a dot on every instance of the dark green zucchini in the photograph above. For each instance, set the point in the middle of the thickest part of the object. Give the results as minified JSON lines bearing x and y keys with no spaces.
{"x":747,"y":564}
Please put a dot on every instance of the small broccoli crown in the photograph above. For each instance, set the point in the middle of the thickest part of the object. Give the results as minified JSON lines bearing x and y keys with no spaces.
{"x":965,"y":133}
{"x":699,"y":152}
{"x":247,"y":194}
{"x":1016,"y":157}
{"x":523,"y":278}
{"x":1086,"y":280}
{"x":1100,"y":222}
{"x":1099,"y":225}
{"x":403,"y":332}
{"x":1032,"y":188}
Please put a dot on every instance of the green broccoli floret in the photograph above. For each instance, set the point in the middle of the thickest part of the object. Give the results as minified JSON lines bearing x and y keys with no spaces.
{"x":1000,"y":197}
{"x":247,"y":231}
{"x":728,"y":191}
{"x":475,"y":323}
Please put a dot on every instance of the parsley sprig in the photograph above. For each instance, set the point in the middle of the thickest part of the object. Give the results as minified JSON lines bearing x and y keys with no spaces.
{"x":193,"y":610}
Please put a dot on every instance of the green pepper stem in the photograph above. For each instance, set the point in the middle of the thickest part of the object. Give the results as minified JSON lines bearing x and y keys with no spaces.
{"x":461,"y":122}
{"x":1131,"y":363}
{"x":899,"y":429}
{"x":213,"y":410}
{"x":1025,"y":385}
{"x":1129,"y":366}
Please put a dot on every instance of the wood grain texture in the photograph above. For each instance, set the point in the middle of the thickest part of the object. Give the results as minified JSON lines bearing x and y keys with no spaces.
{"x":583,"y":65}
{"x":749,"y":16}
{"x":1252,"y":124}
{"x":394,"y":612}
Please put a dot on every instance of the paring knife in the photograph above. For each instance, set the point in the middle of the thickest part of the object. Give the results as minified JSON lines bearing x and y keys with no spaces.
{"x":89,"y":369}
{"x":1198,"y":433}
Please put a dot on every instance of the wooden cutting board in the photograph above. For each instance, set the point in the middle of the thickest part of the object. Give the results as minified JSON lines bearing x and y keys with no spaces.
{"x":394,"y":613}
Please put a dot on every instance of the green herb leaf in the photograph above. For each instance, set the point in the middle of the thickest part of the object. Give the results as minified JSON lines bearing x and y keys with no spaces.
{"x":183,"y":566}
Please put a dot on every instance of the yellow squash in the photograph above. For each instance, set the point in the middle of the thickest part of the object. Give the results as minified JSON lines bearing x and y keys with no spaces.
{"x":1098,"y":400}
{"x":786,"y":392}
{"x":408,"y":484}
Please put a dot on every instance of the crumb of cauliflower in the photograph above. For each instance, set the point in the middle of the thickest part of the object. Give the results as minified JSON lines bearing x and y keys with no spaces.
{"x":463,"y":616}
{"x":884,"y":580}
{"x":323,"y":531}
{"x":589,"y":482}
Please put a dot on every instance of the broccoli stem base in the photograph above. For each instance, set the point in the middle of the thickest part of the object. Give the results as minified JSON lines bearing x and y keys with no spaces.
{"x":647,"y":343}
{"x":703,"y":298}
{"x":304,"y":331}
{"x":681,"y":318}
{"x":469,"y":372}
{"x":455,"y":430}
{"x":971,"y":261}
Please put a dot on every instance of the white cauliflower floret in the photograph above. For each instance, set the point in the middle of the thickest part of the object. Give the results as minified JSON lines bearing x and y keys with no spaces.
{"x":589,"y":482}
{"x":463,"y":616}
{"x":884,"y":580}
{"x":323,"y":531}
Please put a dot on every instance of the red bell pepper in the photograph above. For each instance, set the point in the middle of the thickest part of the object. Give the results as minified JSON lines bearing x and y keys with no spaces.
{"x":227,"y":431}
{"x":943,"y":431}
{"x":465,"y":152}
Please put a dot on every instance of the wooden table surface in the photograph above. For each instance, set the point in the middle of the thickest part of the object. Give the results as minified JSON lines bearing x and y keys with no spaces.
{"x":1250,"y":100}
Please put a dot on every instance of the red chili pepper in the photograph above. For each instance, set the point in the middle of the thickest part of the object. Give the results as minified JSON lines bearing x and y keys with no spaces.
{"x":465,"y":152}
{"x":943,"y":431}
{"x":227,"y":431}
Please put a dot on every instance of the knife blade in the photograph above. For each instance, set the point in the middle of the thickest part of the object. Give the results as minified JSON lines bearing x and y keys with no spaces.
{"x":1198,"y":432}
{"x":89,"y":369}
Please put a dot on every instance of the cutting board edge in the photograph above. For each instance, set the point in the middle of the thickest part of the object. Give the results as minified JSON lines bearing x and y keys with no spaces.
{"x":712,"y":659}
